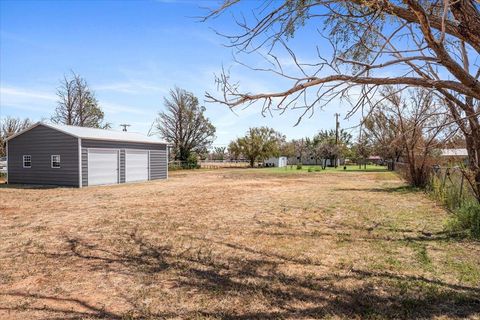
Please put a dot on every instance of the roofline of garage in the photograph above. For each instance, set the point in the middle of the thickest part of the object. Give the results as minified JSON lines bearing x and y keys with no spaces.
{"x":80,"y":137}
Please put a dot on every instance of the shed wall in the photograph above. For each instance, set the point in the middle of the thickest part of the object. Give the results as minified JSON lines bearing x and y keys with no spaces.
{"x":41,"y":143}
{"x":158,"y":164}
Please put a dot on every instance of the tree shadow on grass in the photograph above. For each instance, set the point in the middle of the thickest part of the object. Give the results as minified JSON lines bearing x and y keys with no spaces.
{"x":241,"y":274}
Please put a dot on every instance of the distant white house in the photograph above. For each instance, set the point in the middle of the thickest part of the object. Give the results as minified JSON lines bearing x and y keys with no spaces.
{"x":279,"y":162}
{"x":454,"y":152}
{"x":311,"y":160}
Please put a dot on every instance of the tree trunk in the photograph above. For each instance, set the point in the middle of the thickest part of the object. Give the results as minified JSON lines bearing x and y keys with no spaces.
{"x":184,"y":155}
{"x":473,"y":151}
{"x":252,"y":162}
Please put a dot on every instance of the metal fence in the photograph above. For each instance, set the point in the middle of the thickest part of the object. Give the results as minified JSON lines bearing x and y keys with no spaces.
{"x":451,"y":183}
{"x":208,"y":164}
{"x":446,"y":183}
{"x":219,"y":164}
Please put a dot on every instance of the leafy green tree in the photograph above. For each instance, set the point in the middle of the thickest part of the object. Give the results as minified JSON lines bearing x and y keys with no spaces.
{"x":361,"y":150}
{"x":258,"y":144}
{"x":382,"y":130}
{"x":184,"y":124}
{"x":327,"y":146}
{"x":219,"y":153}
{"x":234,"y":150}
{"x":287,"y":149}
{"x":77,"y":104}
{"x":300,"y":148}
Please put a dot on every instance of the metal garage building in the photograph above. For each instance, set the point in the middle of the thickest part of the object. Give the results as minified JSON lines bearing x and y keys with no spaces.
{"x":51,"y":154}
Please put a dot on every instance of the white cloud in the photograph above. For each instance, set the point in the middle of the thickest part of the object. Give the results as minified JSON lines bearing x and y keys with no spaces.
{"x":41,"y":103}
{"x":26,"y":102}
{"x":117,"y":108}
{"x":20,"y":93}
{"x":130,"y":87}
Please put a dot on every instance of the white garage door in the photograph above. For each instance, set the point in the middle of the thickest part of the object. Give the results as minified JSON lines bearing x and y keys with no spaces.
{"x":102,"y":167}
{"x":136,"y":165}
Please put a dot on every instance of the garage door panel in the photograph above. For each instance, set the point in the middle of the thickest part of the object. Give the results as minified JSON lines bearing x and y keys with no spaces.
{"x":136,"y":165}
{"x":102,"y":167}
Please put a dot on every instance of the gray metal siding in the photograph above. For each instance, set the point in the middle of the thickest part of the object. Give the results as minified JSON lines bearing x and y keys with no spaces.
{"x":158,"y":157}
{"x":84,"y":167}
{"x":158,"y":164}
{"x":41,"y":143}
{"x":86,"y":143}
{"x":122,"y":166}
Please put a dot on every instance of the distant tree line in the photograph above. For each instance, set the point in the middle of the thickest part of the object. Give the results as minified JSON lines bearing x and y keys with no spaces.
{"x":261,"y":143}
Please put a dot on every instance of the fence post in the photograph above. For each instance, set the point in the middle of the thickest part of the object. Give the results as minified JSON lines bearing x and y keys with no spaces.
{"x":461,"y":188}
{"x":444,"y":179}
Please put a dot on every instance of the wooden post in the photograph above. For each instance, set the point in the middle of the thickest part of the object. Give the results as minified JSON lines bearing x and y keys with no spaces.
{"x":444,"y":179}
{"x":461,"y":188}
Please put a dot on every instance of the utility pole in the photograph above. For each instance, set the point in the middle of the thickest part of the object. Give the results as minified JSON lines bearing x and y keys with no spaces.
{"x":337,"y":125}
{"x":125,"y":126}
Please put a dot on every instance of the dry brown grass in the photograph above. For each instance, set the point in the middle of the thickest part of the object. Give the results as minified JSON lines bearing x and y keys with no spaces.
{"x":233,"y":244}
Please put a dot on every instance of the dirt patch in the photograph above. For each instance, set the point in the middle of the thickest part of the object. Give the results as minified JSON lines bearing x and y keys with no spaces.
{"x":233,"y":244}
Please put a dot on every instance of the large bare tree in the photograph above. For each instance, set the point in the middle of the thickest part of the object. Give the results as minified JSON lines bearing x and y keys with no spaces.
{"x":77,"y":104}
{"x":10,"y":126}
{"x":184,"y":124}
{"x":434,"y":45}
{"x":421,"y":125}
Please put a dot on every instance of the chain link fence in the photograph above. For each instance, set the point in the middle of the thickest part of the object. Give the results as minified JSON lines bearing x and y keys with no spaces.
{"x":447,"y":184}
{"x":208,"y":164}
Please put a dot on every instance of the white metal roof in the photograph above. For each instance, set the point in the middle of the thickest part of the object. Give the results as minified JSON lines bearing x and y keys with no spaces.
{"x":97,"y":134}
{"x":454,"y":152}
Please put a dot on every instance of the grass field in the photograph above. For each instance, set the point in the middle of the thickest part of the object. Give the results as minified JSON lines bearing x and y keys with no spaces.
{"x":234,"y":244}
{"x":317,"y":169}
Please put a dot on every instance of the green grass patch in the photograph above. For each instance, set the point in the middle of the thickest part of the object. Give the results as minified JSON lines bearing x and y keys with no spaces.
{"x":466,"y":219}
{"x":456,"y":196}
{"x":313,"y":169}
{"x":466,"y":271}
{"x":421,"y":255}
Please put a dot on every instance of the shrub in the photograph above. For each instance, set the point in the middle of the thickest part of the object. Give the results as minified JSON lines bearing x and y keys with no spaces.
{"x":192,"y":162}
{"x":447,"y":188}
{"x":310,"y":169}
{"x":172,"y":166}
{"x":299,"y":166}
{"x":466,"y":219}
{"x":448,"y":194}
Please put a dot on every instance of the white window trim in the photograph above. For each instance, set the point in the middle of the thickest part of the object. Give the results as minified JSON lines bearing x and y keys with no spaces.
{"x":23,"y":158}
{"x":59,"y":161}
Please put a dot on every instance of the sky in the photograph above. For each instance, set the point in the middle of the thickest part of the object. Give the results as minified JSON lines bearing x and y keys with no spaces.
{"x":132,"y":53}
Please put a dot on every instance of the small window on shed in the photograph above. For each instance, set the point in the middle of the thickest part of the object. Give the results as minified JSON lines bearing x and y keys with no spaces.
{"x":27,"y":161}
{"x":55,"y":161}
